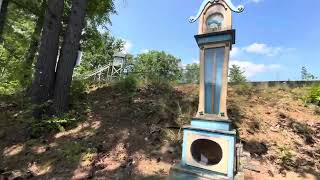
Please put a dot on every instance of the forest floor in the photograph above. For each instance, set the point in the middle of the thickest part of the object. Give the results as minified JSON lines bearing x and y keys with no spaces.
{"x":137,"y":136}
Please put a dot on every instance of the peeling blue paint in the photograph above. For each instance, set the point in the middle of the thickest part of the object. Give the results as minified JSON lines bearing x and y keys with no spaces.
{"x":214,"y":39}
{"x":214,"y":125}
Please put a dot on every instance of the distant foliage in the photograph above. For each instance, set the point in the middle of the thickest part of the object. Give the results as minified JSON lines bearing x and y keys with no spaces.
{"x":157,"y":65}
{"x":127,"y":84}
{"x":305,"y":75}
{"x":236,"y":75}
{"x":98,"y":49}
{"x":315,"y":94}
{"x":192,"y":73}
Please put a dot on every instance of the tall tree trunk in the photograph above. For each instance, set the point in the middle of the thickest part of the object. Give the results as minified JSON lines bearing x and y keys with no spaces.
{"x":43,"y":83}
{"x":3,"y":17}
{"x":33,"y":47}
{"x":68,"y":55}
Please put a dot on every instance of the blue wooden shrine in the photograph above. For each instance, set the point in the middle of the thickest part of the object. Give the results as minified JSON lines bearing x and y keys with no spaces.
{"x":209,"y":142}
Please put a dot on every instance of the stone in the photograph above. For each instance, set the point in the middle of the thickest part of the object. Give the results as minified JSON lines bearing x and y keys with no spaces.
{"x":274,"y":129}
{"x":16,"y":115}
{"x":250,"y":131}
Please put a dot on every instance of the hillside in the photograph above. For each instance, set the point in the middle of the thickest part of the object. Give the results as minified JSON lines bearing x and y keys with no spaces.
{"x":136,"y":135}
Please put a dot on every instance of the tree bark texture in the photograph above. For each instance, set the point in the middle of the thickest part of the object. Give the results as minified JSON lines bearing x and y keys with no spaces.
{"x":3,"y":16}
{"x":33,"y":47}
{"x":68,"y":55}
{"x":44,"y":77}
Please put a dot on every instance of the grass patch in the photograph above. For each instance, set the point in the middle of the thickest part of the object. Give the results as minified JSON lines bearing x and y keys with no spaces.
{"x":128,"y":84}
{"x":50,"y":124}
{"x":286,"y":157}
{"x":314,"y":96}
{"x":303,"y":130}
{"x":243,"y":89}
{"x":88,"y":157}
{"x":71,"y":151}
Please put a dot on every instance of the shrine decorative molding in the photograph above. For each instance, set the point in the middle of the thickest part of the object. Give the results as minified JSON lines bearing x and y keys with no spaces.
{"x":204,"y":4}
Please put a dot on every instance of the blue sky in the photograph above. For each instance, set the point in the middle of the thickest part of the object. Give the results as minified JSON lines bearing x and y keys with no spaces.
{"x":274,"y":39}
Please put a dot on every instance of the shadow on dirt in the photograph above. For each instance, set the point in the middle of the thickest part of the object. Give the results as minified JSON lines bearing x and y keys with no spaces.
{"x":123,"y":137}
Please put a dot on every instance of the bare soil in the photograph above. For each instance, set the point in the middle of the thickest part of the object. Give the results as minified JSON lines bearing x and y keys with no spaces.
{"x":137,"y":135}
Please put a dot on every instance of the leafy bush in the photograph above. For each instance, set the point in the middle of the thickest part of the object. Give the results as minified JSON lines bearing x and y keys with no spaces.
{"x":314,"y":95}
{"x":47,"y":125}
{"x":9,"y":87}
{"x":127,"y":84}
{"x":79,"y":87}
{"x":286,"y":157}
{"x":243,"y":89}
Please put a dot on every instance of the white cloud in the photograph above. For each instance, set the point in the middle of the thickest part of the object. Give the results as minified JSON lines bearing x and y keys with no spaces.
{"x":260,"y":48}
{"x":145,"y":51}
{"x":195,"y":60}
{"x":235,"y":51}
{"x":250,"y":69}
{"x":127,"y":46}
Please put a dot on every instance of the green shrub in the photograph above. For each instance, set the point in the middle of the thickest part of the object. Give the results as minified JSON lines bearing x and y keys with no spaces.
{"x":286,"y":157}
{"x":302,"y":129}
{"x":48,"y":125}
{"x":127,"y":84}
{"x":9,"y":87}
{"x":314,"y":95}
{"x":79,"y":87}
{"x":243,"y":89}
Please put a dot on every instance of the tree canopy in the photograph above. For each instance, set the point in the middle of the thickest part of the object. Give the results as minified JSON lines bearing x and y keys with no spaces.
{"x":236,"y":75}
{"x":21,"y":35}
{"x":157,"y":65}
{"x":192,"y":73}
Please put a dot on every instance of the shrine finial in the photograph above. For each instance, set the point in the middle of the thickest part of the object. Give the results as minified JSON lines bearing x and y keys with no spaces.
{"x":237,"y":9}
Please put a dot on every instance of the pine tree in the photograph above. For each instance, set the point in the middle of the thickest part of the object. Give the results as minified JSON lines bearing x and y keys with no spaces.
{"x":236,"y":75}
{"x":304,"y":73}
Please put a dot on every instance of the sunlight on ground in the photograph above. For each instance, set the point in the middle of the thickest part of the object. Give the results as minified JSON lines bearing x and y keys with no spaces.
{"x":90,"y":127}
{"x":82,"y":173}
{"x":41,"y":169}
{"x":151,"y":167}
{"x":116,"y":157}
{"x":13,"y":150}
{"x":39,"y":149}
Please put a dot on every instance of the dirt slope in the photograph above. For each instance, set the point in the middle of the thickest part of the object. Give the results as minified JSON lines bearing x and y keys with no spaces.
{"x":281,"y":133}
{"x":136,"y":135}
